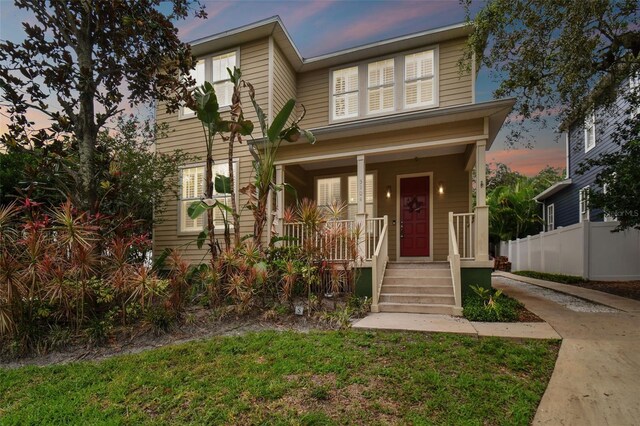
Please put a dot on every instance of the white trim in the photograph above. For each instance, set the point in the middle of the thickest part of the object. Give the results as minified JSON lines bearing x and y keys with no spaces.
{"x":387,"y":149}
{"x":590,"y":122}
{"x":270,"y":94}
{"x":410,"y":175}
{"x":586,"y":214}
{"x":550,"y":210}
{"x":566,"y":173}
{"x":473,"y":78}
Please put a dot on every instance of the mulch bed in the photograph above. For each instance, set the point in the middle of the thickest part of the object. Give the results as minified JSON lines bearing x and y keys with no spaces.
{"x":525,"y":315}
{"x":629,"y":289}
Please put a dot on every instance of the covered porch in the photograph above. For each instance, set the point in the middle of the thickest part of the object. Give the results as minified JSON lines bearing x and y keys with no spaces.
{"x":409,"y":195}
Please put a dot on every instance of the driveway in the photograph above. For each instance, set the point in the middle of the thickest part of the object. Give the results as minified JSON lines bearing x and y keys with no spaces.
{"x":596,"y":380}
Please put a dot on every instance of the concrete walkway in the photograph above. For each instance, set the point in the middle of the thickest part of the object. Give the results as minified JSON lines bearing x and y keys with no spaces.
{"x":596,"y":380}
{"x":448,"y":324}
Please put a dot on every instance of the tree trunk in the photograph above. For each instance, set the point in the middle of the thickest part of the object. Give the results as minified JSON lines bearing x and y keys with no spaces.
{"x":234,"y":207}
{"x":209,"y":195}
{"x":86,"y":131}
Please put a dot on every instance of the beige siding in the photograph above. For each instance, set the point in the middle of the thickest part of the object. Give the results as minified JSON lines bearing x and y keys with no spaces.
{"x":455,"y":88}
{"x":448,"y":169}
{"x":187,"y":135}
{"x":284,"y":80}
{"x":436,"y":133}
{"x":313,"y":93}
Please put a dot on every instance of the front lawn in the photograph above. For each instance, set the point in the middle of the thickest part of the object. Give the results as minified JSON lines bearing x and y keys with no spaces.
{"x":349,"y":377}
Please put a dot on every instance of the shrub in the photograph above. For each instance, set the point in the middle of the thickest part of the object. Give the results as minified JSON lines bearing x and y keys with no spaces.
{"x":488,"y":305}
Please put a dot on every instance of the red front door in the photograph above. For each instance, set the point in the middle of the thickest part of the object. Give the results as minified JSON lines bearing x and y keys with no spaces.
{"x":414,"y":216}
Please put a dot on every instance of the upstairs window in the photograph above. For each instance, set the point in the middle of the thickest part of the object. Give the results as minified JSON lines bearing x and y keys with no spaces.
{"x":550,"y":217}
{"x":419,"y":79}
{"x":590,"y":132}
{"x":220,"y":77}
{"x":380,"y":91}
{"x":345,"y":93}
{"x":198,"y":74}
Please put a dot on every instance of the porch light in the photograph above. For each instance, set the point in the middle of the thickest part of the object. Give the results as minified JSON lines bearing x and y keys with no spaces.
{"x":388,"y":191}
{"x":440,"y":187}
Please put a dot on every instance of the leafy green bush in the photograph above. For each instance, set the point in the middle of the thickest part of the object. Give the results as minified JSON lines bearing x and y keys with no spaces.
{"x":559,"y":278}
{"x":488,"y":305}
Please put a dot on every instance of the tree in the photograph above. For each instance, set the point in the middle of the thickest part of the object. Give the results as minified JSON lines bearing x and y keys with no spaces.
{"x":89,"y":56}
{"x":557,"y":57}
{"x":513,"y":213}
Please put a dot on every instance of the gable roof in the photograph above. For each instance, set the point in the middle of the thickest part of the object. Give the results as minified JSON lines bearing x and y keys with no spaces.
{"x":553,"y":189}
{"x":273,"y":26}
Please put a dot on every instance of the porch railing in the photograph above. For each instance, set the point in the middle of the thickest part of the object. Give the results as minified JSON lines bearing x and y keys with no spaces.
{"x":379,"y":261}
{"x":464,"y":234}
{"x":337,"y":239}
{"x":454,"y":261}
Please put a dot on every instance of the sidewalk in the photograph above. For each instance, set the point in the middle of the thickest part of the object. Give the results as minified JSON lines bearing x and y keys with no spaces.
{"x":449,"y":324}
{"x":596,"y":380}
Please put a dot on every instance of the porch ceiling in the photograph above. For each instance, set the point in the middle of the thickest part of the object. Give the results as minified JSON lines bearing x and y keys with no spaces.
{"x":384,"y":157}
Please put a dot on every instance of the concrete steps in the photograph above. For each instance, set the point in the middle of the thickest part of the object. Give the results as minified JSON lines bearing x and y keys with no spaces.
{"x":424,"y":288}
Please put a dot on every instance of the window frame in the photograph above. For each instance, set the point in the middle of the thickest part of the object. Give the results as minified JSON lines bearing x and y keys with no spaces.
{"x":590,"y":123}
{"x":208,"y":75}
{"x":432,"y":78}
{"x":583,"y":204}
{"x":334,"y":95}
{"x":399,"y":79}
{"x":180,"y":229}
{"x":551,"y":213}
{"x":344,"y":190}
{"x":380,"y":87}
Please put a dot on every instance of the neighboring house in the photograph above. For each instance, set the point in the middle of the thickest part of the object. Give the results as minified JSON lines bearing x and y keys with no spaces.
{"x":566,"y":202}
{"x":398,"y":134}
{"x":577,"y":240}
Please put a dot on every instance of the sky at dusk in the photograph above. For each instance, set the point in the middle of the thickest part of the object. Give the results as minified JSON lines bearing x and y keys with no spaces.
{"x":323,"y":26}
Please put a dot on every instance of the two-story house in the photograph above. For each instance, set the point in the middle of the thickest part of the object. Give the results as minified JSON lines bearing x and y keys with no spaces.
{"x":398,"y":132}
{"x":566,"y":202}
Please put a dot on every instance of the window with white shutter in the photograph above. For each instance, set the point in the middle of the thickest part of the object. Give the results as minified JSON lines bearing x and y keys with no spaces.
{"x":192,"y":190}
{"x":380,"y":91}
{"x":345,"y":93}
{"x":419,"y":73}
{"x":198,"y":74}
{"x":551,"y":217}
{"x":193,"y":179}
{"x":590,"y":132}
{"x":328,"y":191}
{"x":352,"y":199}
{"x":220,"y":77}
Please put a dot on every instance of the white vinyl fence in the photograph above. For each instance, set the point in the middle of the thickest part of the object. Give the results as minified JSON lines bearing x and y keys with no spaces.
{"x":587,"y":249}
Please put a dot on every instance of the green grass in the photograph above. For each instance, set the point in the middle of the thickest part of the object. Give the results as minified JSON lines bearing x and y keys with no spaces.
{"x":559,"y":278}
{"x":318,"y":378}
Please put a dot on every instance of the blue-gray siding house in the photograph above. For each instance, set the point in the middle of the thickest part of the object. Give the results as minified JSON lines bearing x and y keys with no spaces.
{"x":563,"y":203}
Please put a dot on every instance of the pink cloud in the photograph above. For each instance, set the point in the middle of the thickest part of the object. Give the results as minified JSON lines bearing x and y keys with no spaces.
{"x":529,"y":161}
{"x":299,"y":14}
{"x":379,"y":21}
{"x":189,"y":27}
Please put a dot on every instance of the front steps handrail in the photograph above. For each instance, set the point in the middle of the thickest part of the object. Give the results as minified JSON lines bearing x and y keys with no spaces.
{"x":454,"y":261}
{"x":379,"y":262}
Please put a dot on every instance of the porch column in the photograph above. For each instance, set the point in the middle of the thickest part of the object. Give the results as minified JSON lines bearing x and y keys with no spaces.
{"x":482,"y":211}
{"x":279,"y":225}
{"x":361,"y":215}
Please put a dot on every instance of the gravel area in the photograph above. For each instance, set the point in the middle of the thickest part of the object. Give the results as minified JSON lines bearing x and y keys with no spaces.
{"x":570,"y":302}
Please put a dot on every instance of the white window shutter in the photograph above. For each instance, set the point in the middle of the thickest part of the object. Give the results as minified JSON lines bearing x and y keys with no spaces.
{"x":380,"y":86}
{"x":345,"y":93}
{"x":419,"y":79}
{"x":328,"y":191}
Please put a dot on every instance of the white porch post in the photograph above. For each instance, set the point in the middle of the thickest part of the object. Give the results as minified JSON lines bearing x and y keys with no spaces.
{"x":361,"y":215}
{"x":279,"y":200}
{"x":482,"y":211}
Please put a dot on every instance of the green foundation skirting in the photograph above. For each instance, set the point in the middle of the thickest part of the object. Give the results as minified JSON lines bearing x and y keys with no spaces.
{"x":363,"y":282}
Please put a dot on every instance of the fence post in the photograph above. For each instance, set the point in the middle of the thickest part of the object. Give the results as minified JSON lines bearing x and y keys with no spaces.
{"x":586,"y":228}
{"x":529,"y":252}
